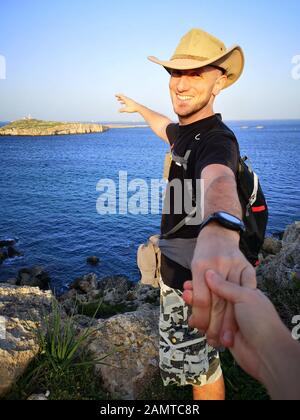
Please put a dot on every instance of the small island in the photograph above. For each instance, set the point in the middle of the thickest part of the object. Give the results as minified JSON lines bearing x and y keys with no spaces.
{"x":33,"y":127}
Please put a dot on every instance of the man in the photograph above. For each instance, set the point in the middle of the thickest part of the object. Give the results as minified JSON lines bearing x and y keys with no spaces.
{"x":200,"y":69}
{"x":265,"y":350}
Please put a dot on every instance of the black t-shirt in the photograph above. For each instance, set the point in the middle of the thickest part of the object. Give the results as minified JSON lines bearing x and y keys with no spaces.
{"x":211,"y":142}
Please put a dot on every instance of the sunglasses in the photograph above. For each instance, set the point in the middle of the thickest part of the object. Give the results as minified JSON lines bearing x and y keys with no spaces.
{"x":178,"y":73}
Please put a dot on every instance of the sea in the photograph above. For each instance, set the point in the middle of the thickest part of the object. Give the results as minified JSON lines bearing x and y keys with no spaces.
{"x":49,"y":195}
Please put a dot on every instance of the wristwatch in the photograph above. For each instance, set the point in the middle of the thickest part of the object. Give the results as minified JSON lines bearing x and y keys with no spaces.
{"x":226,"y":220}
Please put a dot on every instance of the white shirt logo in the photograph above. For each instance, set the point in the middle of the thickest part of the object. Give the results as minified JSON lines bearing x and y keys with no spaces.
{"x":198,"y":137}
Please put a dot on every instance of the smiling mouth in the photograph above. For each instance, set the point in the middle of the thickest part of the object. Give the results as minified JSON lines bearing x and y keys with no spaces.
{"x":184,"y":98}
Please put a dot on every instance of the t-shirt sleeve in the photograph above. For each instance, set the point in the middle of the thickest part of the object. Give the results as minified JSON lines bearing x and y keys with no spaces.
{"x":172,"y":133}
{"x":218,"y":149}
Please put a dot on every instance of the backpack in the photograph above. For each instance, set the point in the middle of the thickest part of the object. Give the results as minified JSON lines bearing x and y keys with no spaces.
{"x":255,"y":211}
{"x":253,"y":203}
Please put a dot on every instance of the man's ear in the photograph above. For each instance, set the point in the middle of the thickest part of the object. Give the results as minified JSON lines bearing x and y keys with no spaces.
{"x":219,"y":85}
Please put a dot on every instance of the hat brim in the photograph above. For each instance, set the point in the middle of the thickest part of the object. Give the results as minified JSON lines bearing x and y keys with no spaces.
{"x":232,"y":61}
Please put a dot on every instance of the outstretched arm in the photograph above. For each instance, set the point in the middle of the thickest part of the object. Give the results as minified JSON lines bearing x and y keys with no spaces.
{"x":218,"y":249}
{"x":157,"y":122}
{"x":262,"y":346}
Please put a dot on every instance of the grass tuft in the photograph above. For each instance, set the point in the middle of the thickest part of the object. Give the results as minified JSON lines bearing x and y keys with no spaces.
{"x":63,"y":367}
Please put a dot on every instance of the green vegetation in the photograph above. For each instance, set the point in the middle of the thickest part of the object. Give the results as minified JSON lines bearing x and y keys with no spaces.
{"x":103,"y":310}
{"x":239,"y":386}
{"x":30,"y":124}
{"x":68,"y":384}
{"x":63,"y":366}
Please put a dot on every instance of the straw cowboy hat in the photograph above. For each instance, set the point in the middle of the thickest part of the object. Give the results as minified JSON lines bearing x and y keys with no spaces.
{"x":199,"y":49}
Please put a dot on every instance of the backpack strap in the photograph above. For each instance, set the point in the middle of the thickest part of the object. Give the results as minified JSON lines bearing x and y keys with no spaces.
{"x":253,"y":197}
{"x":180,"y":225}
{"x":182,"y":161}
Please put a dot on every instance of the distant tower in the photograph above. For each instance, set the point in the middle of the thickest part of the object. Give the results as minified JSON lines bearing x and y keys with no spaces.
{"x":28,"y":118}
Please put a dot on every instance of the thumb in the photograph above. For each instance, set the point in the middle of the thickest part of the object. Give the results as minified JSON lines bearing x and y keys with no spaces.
{"x":224,"y":289}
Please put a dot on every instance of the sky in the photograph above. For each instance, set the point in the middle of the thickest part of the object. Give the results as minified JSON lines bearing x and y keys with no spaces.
{"x":66,"y":59}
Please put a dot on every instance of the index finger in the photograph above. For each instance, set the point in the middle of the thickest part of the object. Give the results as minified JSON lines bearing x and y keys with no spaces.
{"x":231,"y":292}
{"x":119,"y":96}
{"x":201,"y":302}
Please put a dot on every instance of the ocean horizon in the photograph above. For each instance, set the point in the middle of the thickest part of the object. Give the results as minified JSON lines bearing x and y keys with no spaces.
{"x":48,"y":194}
{"x":133,"y":122}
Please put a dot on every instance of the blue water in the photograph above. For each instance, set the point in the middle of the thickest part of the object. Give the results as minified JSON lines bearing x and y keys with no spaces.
{"x":48,"y":194}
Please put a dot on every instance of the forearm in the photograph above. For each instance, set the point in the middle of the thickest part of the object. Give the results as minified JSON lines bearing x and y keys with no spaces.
{"x":156,"y":121}
{"x":221,"y":195}
{"x":281,"y":372}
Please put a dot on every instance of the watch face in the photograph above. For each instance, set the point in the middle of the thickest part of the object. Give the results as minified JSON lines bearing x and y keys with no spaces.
{"x":230,"y":218}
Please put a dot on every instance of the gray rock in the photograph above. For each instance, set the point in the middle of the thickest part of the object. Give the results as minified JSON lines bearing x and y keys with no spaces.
{"x":132,"y":340}
{"x":12,"y":252}
{"x":12,"y":282}
{"x":114,"y":289}
{"x":22,"y":309}
{"x":85,"y":284}
{"x":282,"y":267}
{"x":68,"y":301}
{"x":272,"y":246}
{"x":93,"y":261}
{"x":147,"y":294}
{"x":292,"y":234}
{"x":10,"y":242}
{"x":34,"y":277}
{"x":36,"y":271}
{"x":3,"y":256}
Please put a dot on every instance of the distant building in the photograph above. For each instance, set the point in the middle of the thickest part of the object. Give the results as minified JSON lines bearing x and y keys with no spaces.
{"x":28,"y":118}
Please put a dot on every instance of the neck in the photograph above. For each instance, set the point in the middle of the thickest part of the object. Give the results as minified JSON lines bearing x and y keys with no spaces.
{"x":205,"y":112}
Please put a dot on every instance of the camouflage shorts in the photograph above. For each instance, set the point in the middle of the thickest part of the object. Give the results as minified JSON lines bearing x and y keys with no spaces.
{"x":185,"y":356}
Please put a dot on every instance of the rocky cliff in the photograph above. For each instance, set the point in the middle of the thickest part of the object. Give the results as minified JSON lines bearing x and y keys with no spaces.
{"x":126,"y":319}
{"x":45,"y":128}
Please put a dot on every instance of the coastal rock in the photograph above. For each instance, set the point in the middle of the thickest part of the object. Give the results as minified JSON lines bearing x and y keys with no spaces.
{"x":85,"y":284}
{"x":33,"y":277}
{"x":3,"y":256}
{"x":115,"y":288}
{"x":146,"y":295}
{"x":7,"y":243}
{"x":7,"y":250}
{"x":34,"y":127}
{"x":12,"y":252}
{"x":272,"y":246}
{"x":12,"y":281}
{"x":22,"y":309}
{"x":283,"y":267}
{"x":93,"y":260}
{"x":292,"y":234}
{"x":111,"y":295}
{"x":132,"y":340}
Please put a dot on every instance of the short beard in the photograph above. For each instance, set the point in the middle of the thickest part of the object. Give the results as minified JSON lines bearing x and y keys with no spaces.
{"x":193,"y":112}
